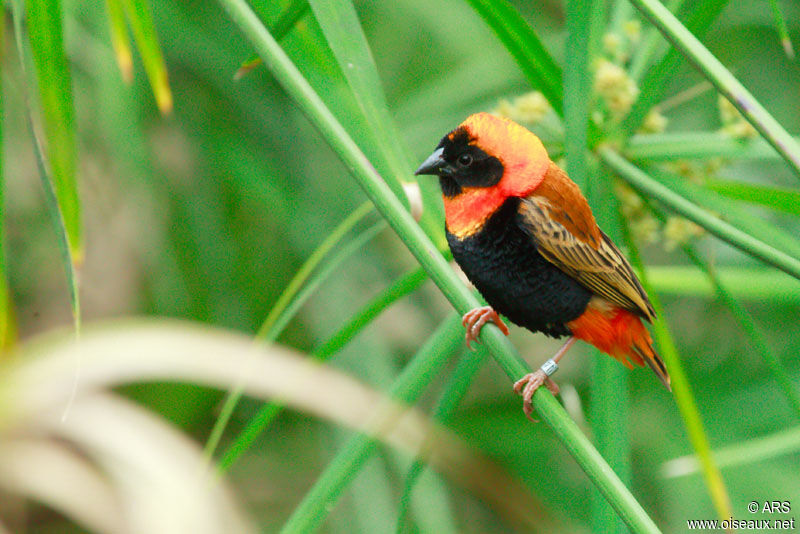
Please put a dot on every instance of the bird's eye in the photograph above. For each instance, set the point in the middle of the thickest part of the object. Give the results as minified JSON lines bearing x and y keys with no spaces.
{"x":465,"y":160}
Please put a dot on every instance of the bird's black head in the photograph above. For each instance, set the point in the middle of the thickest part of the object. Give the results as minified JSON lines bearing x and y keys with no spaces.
{"x":459,"y":164}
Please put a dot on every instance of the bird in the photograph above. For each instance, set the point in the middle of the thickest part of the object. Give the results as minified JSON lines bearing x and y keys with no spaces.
{"x":522,"y":232}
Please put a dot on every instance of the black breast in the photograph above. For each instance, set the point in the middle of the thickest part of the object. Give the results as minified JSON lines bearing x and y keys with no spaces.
{"x":502,"y":261}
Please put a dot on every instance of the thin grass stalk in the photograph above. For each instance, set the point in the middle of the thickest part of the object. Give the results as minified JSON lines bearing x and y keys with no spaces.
{"x":640,"y":181}
{"x":583,"y":21}
{"x":681,"y":388}
{"x":297,"y":297}
{"x":649,"y":46}
{"x":455,"y":389}
{"x":609,"y":407}
{"x":407,"y":388}
{"x":746,"y":323}
{"x":723,"y":80}
{"x":426,"y":253}
{"x":536,"y":64}
{"x":698,"y":16}
{"x":747,"y":452}
{"x":267,"y":413}
{"x":671,"y":146}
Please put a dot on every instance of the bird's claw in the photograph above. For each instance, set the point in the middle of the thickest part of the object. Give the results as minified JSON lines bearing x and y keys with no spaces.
{"x":527,"y":386}
{"x":474,"y":320}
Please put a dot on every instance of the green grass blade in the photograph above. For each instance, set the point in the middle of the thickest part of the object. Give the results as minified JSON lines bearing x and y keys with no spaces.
{"x":649,"y":187}
{"x":429,"y":257}
{"x":267,"y":413}
{"x":769,"y":197}
{"x":744,"y":283}
{"x":144,"y":32}
{"x":339,"y":23}
{"x":583,"y":20}
{"x":723,"y":80}
{"x":120,"y":39}
{"x":456,"y":387}
{"x":745,"y":453}
{"x":753,"y":225}
{"x":48,"y":185}
{"x":428,"y":361}
{"x":682,"y":390}
{"x":288,"y":19}
{"x":405,"y":285}
{"x":7,"y":322}
{"x":539,"y":68}
{"x":783,"y":30}
{"x":652,"y":86}
{"x":652,"y":45}
{"x":267,"y":330}
{"x":292,"y":299}
{"x":58,"y":113}
{"x":345,"y":37}
{"x":609,"y":409}
{"x":696,"y":145}
{"x":747,"y":324}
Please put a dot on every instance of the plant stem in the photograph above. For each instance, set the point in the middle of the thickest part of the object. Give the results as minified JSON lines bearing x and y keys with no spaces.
{"x":651,"y":188}
{"x":723,"y":80}
{"x":432,"y":261}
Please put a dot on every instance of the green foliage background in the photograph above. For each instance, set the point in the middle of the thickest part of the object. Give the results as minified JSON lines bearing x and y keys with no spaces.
{"x":207,"y":213}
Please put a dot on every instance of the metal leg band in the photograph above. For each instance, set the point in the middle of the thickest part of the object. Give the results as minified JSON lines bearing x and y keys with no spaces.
{"x":549,"y":367}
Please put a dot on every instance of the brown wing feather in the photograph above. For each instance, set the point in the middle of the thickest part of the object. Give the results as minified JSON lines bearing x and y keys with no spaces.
{"x":570,"y":239}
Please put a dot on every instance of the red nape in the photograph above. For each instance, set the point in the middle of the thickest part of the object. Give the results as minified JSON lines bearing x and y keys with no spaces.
{"x":617,"y":332}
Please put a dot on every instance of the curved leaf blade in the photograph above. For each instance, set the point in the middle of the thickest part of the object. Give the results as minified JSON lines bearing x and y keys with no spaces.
{"x":542,"y":72}
{"x":58,"y":112}
{"x":725,"y":82}
{"x":144,"y":32}
{"x":120,"y":40}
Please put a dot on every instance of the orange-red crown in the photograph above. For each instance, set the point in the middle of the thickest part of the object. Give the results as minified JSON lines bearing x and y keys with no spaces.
{"x":525,"y":161}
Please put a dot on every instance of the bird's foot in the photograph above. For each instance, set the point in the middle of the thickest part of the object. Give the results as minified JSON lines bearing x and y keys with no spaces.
{"x":527,"y":386}
{"x":474,"y":320}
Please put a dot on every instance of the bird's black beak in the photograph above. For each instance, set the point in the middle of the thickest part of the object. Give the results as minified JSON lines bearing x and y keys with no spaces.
{"x":434,"y":165}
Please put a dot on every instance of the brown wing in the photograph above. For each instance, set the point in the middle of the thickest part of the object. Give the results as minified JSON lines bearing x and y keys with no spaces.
{"x":568,"y":237}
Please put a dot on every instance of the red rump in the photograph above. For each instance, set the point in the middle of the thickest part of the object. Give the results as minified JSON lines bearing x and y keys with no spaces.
{"x":616,"y":332}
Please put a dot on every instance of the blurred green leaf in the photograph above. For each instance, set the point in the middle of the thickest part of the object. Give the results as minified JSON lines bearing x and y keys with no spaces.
{"x":291,"y":16}
{"x":670,"y":146}
{"x":583,"y":23}
{"x":770,"y":197}
{"x":536,"y":64}
{"x":698,"y":15}
{"x":682,"y":390}
{"x":7,"y":323}
{"x":759,"y":284}
{"x":748,"y":452}
{"x":609,"y":408}
{"x":55,"y":92}
{"x":646,"y":185}
{"x":120,"y":39}
{"x":783,"y":30}
{"x":144,"y":32}
{"x":756,"y":227}
{"x":339,"y":23}
{"x":343,"y":33}
{"x":725,"y":82}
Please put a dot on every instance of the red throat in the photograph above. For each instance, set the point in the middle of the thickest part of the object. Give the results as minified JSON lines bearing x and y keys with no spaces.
{"x":525,"y":163}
